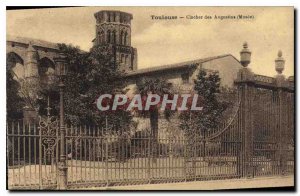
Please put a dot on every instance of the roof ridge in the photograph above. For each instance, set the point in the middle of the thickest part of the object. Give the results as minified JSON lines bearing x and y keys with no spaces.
{"x":37,"y":42}
{"x":199,"y":60}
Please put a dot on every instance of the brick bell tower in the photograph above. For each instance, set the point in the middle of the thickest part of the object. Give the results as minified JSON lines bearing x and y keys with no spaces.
{"x":113,"y":29}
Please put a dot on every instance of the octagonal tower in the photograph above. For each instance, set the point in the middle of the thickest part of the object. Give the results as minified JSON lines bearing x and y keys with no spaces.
{"x":113,"y":28}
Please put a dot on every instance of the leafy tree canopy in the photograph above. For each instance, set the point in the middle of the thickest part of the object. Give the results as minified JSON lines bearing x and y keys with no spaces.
{"x":89,"y":75}
{"x":200,"y":122}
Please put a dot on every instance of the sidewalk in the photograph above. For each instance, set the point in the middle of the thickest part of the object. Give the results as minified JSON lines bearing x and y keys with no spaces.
{"x":210,"y":185}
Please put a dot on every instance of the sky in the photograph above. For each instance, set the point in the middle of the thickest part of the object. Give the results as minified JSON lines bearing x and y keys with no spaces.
{"x":161,"y":42}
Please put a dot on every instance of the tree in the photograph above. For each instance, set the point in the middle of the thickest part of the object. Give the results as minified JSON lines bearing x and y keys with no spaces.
{"x":207,"y":87}
{"x":89,"y":75}
{"x":14,"y":102}
{"x":160,"y":87}
{"x":198,"y":124}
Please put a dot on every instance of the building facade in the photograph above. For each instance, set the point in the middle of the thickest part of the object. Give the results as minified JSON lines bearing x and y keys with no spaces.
{"x":181,"y":75}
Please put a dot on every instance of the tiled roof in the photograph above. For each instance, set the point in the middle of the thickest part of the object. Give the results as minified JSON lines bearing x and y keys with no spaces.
{"x":181,"y":65}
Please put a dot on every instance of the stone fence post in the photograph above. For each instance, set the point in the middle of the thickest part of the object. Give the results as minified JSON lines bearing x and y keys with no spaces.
{"x":246,"y":89}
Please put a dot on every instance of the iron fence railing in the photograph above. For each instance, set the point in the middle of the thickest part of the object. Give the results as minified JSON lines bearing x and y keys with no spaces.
{"x":96,"y":157}
{"x":256,"y":140}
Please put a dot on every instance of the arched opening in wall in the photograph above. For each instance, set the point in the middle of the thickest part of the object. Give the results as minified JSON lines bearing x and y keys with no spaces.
{"x":102,"y":18}
{"x":101,"y":37}
{"x":122,"y":58}
{"x":114,"y":37}
{"x":121,"y":37}
{"x":108,"y":36}
{"x":125,"y":38}
{"x":14,"y":98}
{"x":111,"y":17}
{"x":121,"y":18}
{"x":108,"y":17}
{"x":46,"y":69}
{"x":126,"y":59}
{"x":114,"y":17}
{"x":15,"y":64}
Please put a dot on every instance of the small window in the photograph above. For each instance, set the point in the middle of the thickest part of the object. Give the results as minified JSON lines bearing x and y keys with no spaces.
{"x":185,"y":78}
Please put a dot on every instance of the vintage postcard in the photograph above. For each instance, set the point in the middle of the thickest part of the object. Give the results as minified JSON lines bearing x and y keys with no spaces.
{"x":150,"y":98}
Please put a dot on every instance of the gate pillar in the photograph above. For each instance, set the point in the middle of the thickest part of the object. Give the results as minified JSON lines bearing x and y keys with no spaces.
{"x":281,"y":84}
{"x":246,"y":89}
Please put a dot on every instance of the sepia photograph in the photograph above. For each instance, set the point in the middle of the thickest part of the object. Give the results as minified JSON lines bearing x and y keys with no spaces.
{"x":150,"y":98}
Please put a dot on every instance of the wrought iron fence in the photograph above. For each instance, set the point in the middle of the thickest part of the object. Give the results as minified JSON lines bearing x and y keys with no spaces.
{"x":31,"y":159}
{"x":101,"y":156}
{"x":257,"y":140}
{"x":97,"y":157}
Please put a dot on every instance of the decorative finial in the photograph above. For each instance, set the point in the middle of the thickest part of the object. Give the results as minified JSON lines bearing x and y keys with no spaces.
{"x":245,"y":55}
{"x":279,"y":63}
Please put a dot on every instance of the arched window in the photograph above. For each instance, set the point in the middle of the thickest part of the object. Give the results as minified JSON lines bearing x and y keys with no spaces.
{"x":16,"y":64}
{"x":111,"y":17}
{"x":108,"y":17}
{"x":121,"y":37}
{"x":122,"y":58}
{"x":101,"y":36}
{"x":114,"y":37}
{"x":46,"y":69}
{"x":108,"y":36}
{"x":121,"y":18}
{"x":126,"y":59}
{"x":102,"y":17}
{"x":114,"y":17}
{"x":125,"y":38}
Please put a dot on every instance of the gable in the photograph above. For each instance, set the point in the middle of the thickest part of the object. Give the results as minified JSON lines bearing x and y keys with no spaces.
{"x":227,"y":68}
